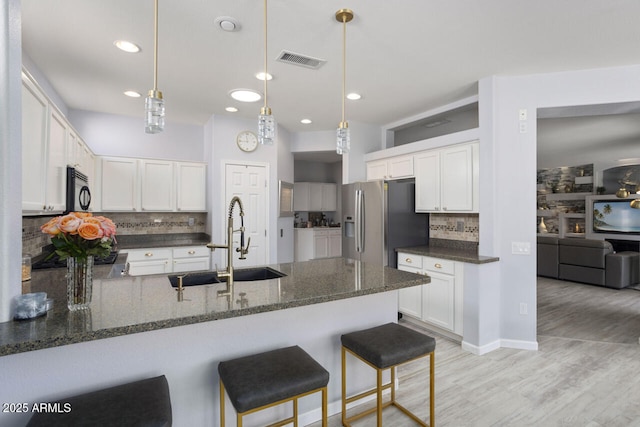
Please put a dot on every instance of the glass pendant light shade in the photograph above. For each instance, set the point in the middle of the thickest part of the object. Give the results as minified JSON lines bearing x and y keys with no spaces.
{"x":266,"y":126}
{"x":343,"y":139}
{"x":154,"y":112}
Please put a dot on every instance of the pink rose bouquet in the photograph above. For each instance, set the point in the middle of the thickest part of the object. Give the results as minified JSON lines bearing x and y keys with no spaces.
{"x":80,"y":234}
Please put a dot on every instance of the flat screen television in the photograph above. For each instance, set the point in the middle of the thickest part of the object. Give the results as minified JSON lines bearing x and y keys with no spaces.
{"x":615,"y":216}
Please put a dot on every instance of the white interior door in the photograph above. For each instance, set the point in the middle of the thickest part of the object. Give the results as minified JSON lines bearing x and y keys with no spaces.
{"x":249,"y":182}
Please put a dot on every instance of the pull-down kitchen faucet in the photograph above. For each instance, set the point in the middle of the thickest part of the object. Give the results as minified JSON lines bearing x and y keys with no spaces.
{"x":229,"y":246}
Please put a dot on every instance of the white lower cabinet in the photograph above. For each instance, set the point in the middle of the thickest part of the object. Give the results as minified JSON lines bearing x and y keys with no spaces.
{"x":191,"y":258}
{"x":149,"y":261}
{"x":438,"y":303}
{"x":168,"y":260}
{"x":314,"y":243}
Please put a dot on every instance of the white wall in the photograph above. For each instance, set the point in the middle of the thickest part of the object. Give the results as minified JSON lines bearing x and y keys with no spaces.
{"x":508,"y":183}
{"x":116,"y":135}
{"x":10,"y":156}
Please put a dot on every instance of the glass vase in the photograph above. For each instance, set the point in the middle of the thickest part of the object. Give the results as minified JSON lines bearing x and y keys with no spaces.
{"x":79,"y":282}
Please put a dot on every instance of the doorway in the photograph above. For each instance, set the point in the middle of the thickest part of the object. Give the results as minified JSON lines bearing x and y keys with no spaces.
{"x":249,"y":182}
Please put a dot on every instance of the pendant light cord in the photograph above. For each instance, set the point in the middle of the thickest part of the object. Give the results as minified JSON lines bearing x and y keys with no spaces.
{"x":155,"y":51}
{"x":265,"y":54}
{"x":344,"y":60}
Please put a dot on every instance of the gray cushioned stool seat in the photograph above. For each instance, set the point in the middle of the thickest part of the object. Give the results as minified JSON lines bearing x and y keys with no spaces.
{"x":388,"y":345}
{"x":261,"y":379}
{"x":137,"y":404}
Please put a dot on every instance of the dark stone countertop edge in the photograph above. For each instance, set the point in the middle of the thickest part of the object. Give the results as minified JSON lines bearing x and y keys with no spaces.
{"x":32,"y":345}
{"x":452,"y":254}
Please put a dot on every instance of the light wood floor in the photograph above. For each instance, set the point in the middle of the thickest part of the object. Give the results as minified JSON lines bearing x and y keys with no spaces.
{"x":586,"y":371}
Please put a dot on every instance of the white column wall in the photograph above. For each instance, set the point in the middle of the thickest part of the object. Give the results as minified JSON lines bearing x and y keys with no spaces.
{"x":508,"y":179}
{"x":10,"y":155}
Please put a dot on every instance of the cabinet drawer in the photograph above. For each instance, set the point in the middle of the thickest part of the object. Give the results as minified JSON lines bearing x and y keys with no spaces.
{"x":438,"y":265}
{"x":148,"y":254}
{"x":191,"y":251}
{"x":409,"y":260}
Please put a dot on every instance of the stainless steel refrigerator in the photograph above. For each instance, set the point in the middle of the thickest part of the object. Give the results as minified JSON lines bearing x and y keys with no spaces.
{"x":378,"y":217}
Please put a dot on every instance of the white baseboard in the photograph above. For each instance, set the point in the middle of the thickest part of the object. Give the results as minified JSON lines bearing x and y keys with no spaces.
{"x":518,"y":344}
{"x":480,"y":350}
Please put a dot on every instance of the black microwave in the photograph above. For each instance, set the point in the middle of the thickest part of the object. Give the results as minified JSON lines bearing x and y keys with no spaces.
{"x":78,"y":193}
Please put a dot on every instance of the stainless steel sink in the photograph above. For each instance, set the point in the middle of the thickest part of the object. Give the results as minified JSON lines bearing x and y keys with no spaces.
{"x":193,"y":279}
{"x":254,"y":273}
{"x":239,"y":275}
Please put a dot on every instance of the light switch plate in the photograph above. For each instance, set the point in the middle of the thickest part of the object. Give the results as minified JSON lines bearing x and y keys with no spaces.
{"x":521,"y":248}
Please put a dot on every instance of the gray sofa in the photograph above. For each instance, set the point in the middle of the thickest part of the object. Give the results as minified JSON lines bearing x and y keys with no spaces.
{"x":587,"y":261}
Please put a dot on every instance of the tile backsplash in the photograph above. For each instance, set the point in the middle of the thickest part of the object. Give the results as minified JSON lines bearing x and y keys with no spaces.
{"x":127,"y":223}
{"x":463,"y":227}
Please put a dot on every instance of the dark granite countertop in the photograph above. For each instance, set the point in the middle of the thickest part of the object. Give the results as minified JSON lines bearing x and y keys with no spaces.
{"x":451,"y":253}
{"x":128,"y":305}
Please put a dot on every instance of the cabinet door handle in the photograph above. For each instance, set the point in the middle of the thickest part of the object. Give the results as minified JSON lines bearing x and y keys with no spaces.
{"x":191,"y":252}
{"x":437,"y":265}
{"x":149,"y":254}
{"x":408,"y":261}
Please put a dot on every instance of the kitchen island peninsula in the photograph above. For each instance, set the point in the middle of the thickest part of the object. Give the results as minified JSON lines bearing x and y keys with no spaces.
{"x":136,"y":328}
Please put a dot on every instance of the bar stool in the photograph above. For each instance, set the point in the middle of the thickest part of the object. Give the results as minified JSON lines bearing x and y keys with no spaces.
{"x":144,"y":403}
{"x":386,"y":347}
{"x":268,"y":379}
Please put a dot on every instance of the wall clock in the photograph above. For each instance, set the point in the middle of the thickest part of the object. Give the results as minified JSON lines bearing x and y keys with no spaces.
{"x":247,"y":141}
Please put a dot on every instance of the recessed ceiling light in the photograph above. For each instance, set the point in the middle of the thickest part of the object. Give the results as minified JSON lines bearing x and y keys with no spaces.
{"x":260,"y":76}
{"x":227,"y":23}
{"x":231,"y":109}
{"x":132,"y":93}
{"x":354,"y":96}
{"x":245,"y":95}
{"x":127,"y":46}
{"x":305,"y":121}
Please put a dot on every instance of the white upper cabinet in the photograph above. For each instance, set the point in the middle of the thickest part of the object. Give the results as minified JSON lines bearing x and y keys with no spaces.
{"x":191,"y":186}
{"x":34,"y":144}
{"x":119,"y":184}
{"x":156,"y":185}
{"x":428,"y":181}
{"x":49,"y":144}
{"x":392,"y":168}
{"x":152,"y":185}
{"x":315,"y":196}
{"x":56,"y":162}
{"x":447,"y":179}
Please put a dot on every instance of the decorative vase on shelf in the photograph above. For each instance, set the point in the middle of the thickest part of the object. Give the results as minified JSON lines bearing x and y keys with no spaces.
{"x":542,"y":227}
{"x":79,"y":282}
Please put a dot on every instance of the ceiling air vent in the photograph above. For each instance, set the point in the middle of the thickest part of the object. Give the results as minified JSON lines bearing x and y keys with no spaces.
{"x":301,"y":60}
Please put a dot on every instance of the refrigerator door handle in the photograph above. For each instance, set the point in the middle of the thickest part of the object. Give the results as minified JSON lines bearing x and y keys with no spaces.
{"x":359,"y":220}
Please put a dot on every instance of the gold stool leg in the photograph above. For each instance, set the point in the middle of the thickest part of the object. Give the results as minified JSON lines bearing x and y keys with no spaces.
{"x":221,"y":404}
{"x":344,"y":387}
{"x":432,"y":389}
{"x":379,"y":396}
{"x":324,"y":407}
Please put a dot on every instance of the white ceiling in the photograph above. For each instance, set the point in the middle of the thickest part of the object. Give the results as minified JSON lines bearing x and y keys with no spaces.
{"x":404,"y":57}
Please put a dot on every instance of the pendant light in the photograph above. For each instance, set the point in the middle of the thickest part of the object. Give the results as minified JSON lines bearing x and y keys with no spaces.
{"x":266,"y":123}
{"x":343,"y":140}
{"x":154,"y":103}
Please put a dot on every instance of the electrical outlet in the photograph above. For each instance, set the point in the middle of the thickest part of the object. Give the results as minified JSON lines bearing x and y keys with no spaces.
{"x":460,"y":226}
{"x":192,"y":222}
{"x":522,"y":114}
{"x":523,"y":308}
{"x":157,"y":220}
{"x":521,"y":248}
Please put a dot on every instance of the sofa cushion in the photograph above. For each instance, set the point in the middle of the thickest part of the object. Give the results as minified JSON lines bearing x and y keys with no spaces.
{"x":584,"y":252}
